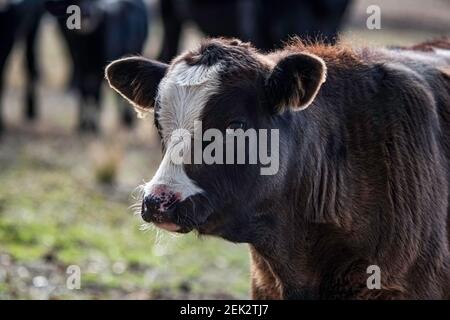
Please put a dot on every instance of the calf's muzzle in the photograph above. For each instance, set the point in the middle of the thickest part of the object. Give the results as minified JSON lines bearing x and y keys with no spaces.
{"x":159,"y":205}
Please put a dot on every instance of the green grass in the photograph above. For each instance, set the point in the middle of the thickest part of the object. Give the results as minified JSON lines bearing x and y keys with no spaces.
{"x":47,"y":211}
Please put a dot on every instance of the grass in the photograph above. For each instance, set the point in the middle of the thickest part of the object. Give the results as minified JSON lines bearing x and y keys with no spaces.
{"x":51,"y":215}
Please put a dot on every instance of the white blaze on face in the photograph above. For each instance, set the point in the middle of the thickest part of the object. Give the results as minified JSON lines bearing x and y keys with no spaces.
{"x":182,"y":95}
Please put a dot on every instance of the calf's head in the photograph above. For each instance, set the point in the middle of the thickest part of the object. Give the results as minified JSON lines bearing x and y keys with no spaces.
{"x":223,"y":89}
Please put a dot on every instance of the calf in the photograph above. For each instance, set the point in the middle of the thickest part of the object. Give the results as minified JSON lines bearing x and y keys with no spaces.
{"x":109,"y":30}
{"x":363,"y":175}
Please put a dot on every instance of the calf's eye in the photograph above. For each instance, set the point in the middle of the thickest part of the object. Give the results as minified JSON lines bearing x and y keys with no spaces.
{"x":234,"y":125}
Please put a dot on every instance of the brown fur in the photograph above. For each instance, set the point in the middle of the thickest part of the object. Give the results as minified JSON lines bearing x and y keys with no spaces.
{"x":266,"y":271}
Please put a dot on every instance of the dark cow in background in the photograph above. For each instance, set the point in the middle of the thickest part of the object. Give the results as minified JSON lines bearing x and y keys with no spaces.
{"x":364,"y":162}
{"x":307,"y":19}
{"x":19,"y":21}
{"x":265,"y":23}
{"x":109,"y":30}
{"x":114,"y":28}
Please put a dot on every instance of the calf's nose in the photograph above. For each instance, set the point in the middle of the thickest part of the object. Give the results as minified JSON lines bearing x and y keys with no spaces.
{"x":150,"y":205}
{"x":158,"y":205}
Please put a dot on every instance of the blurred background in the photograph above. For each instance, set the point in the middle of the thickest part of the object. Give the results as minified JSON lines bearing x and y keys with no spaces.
{"x":71,"y":153}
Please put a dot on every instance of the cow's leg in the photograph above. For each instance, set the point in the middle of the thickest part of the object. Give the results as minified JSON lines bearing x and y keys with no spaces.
{"x":128,"y":114}
{"x":172,"y":31}
{"x":3,"y":57}
{"x":89,"y":109}
{"x":9,"y":22}
{"x":31,"y":66}
{"x":329,"y":18}
{"x":83,"y":106}
{"x":88,"y":115}
{"x":1,"y":95}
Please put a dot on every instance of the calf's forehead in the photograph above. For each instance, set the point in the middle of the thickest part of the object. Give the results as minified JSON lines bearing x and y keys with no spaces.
{"x":183,"y":94}
{"x":196,"y":76}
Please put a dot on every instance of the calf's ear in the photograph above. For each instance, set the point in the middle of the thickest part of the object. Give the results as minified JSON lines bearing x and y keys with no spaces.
{"x":136,"y":79}
{"x":294,"y":82}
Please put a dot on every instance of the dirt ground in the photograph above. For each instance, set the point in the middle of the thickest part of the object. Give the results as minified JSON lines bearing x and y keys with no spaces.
{"x":65,"y":199}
